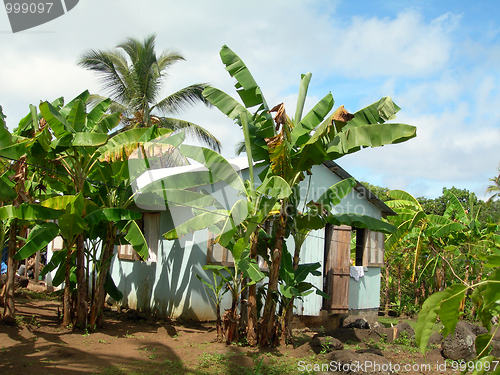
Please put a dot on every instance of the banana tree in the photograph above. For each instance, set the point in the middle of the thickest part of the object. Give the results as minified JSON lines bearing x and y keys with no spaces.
{"x":236,"y":228}
{"x":80,"y":143}
{"x":18,"y":187}
{"x":418,"y":231}
{"x":447,"y":305}
{"x":290,"y":148}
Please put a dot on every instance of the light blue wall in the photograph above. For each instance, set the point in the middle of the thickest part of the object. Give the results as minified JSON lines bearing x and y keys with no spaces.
{"x":170,"y":286}
{"x":365,"y":293}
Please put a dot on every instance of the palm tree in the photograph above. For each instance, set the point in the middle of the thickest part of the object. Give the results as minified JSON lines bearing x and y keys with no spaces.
{"x":495,"y":187}
{"x":135,"y":84}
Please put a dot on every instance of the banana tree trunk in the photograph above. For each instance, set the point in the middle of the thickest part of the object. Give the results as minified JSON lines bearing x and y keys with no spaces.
{"x":387,"y":289}
{"x":81,"y":294}
{"x":286,"y":322}
{"x":9,"y":316}
{"x":97,"y":309}
{"x":231,"y":319}
{"x":252,"y":297}
{"x":67,"y":291}
{"x":286,"y":330}
{"x":268,"y":324}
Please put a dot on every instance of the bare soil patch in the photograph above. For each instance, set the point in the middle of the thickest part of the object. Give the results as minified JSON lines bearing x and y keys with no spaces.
{"x":135,"y":343}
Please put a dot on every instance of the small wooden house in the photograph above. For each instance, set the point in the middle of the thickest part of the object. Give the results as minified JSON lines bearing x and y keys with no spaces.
{"x":167,"y":284}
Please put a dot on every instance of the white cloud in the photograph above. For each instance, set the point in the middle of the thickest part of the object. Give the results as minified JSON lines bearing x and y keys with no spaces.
{"x":404,"y":46}
{"x":447,"y":87}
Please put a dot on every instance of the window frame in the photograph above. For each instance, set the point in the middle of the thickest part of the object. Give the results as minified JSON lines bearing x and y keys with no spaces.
{"x":127,"y":252}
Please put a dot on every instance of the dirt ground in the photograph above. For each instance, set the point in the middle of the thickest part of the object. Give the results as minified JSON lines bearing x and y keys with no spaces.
{"x":133,"y":343}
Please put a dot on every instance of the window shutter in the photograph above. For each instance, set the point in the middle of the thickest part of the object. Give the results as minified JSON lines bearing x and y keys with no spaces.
{"x":127,"y":252}
{"x":337,"y":268}
{"x":151,"y":232}
{"x":373,"y":255}
{"x":57,"y":243}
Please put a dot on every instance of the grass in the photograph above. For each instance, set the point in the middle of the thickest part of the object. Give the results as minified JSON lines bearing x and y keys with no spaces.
{"x":212,"y":364}
{"x":31,"y":294}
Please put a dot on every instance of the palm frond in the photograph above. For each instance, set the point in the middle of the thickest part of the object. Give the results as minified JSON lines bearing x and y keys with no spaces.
{"x":133,"y":75}
{"x":182,"y":99}
{"x":109,"y":65}
{"x":191,"y":130}
{"x":240,"y":148}
{"x":168,"y":58}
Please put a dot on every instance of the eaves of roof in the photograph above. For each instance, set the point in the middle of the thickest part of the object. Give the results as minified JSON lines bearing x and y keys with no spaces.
{"x":360,"y":188}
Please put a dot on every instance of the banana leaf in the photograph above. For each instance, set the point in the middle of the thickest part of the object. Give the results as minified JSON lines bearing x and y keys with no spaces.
{"x":38,"y":239}
{"x":29,"y":212}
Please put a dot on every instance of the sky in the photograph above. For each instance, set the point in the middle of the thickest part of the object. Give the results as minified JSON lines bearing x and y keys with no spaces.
{"x":438,"y":60}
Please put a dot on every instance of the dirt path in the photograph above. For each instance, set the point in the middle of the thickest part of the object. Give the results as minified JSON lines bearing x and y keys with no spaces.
{"x":131,"y":345}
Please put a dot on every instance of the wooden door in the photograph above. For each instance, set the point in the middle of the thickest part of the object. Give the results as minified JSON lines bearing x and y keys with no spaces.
{"x":337,"y":268}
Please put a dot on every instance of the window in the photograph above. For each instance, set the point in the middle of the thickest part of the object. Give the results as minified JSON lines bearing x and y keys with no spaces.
{"x":216,"y":254}
{"x":219,"y":255}
{"x":374,"y":249}
{"x":369,"y":248}
{"x":150,"y":227}
{"x":57,"y":243}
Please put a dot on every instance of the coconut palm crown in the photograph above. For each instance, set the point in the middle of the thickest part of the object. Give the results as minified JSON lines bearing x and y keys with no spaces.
{"x":134,"y":83}
{"x":495,"y":187}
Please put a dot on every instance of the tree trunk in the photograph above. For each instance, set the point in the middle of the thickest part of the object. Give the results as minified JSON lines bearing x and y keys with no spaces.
{"x":252,"y":297}
{"x":220,"y":333}
{"x":67,"y":291}
{"x":286,"y":331}
{"x":97,"y":309}
{"x":81,"y":291}
{"x":286,"y":323}
{"x":9,"y":315}
{"x":244,"y":304}
{"x":230,"y":320}
{"x":387,"y":289}
{"x":268,"y":324}
{"x":400,"y":296}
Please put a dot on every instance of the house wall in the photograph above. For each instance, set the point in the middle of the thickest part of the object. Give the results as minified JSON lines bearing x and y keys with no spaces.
{"x":365,"y":293}
{"x":170,"y":286}
{"x":362,"y":294}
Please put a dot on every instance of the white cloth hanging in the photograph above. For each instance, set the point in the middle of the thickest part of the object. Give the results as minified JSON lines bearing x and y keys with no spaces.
{"x":357,"y":272}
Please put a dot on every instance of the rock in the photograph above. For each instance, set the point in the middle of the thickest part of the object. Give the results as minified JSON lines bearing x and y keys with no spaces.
{"x":352,"y":363}
{"x":171,"y":330}
{"x":495,"y":349}
{"x":435,"y":339}
{"x":476,"y":329}
{"x":324,"y":344}
{"x":405,"y":327}
{"x":375,"y":351}
{"x":377,"y":325}
{"x":360,"y":323}
{"x":461,"y":344}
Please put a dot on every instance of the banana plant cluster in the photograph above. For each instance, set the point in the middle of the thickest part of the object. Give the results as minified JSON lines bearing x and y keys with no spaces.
{"x":446,"y":305}
{"x":287,"y":149}
{"x":79,"y":180}
{"x":457,"y":235}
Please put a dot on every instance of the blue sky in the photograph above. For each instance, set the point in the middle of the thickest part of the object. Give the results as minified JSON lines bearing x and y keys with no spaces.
{"x":438,"y":60}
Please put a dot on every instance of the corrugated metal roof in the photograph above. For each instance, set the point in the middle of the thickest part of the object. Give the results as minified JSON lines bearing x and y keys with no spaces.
{"x":241,"y":163}
{"x":360,"y":188}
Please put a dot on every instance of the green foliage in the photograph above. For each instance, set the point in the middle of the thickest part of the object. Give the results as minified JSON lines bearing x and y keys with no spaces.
{"x":445,"y":304}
